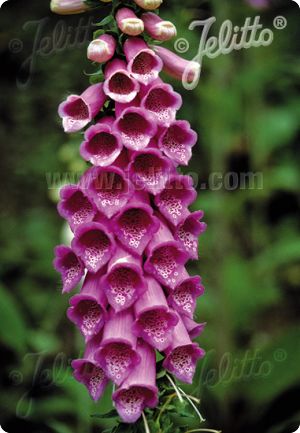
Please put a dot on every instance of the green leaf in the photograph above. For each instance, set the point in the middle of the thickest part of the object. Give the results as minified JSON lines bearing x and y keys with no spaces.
{"x":107,"y":20}
{"x":278,"y":368}
{"x":111,"y":414}
{"x":161,"y":374}
{"x":59,"y":427}
{"x":13,"y":333}
{"x":98,"y":33}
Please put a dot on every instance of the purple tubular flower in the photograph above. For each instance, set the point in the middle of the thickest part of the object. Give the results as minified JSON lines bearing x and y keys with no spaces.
{"x":194,"y":329}
{"x":102,"y":49}
{"x":177,"y":141}
{"x":157,"y":28}
{"x":123,"y":282}
{"x":165,"y":259}
{"x":117,"y":355}
{"x":102,"y":144}
{"x":128,"y":22}
{"x":174,"y":200}
{"x":108,"y":188}
{"x":119,"y":85}
{"x":259,"y":4}
{"x":188,"y":231}
{"x":78,"y":111}
{"x":93,"y":245}
{"x":162,"y":102}
{"x":136,"y":128}
{"x":69,"y":266}
{"x":135,"y":225}
{"x":154,"y":319}
{"x":138,"y":391}
{"x":123,"y":160}
{"x":182,"y":354}
{"x":149,"y":170}
{"x":119,"y":108}
{"x":184,"y":297}
{"x":75,"y":207}
{"x":88,"y":308}
{"x":143,"y":64}
{"x":177,"y":67}
{"x":89,"y":373}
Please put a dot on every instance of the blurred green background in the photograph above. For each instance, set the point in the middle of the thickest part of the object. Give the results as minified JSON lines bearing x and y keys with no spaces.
{"x":246,"y":110}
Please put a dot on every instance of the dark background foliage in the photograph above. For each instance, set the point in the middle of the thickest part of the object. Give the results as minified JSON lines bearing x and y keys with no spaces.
{"x":246,"y":110}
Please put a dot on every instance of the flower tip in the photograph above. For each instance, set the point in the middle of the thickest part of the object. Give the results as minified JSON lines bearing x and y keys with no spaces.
{"x":102,"y":49}
{"x":149,"y":5}
{"x":68,"y":7}
{"x":128,"y":22}
{"x":132,"y":26}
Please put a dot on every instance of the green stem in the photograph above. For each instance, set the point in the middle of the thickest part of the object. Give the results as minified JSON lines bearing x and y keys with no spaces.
{"x":192,"y":404}
{"x":203,"y":430}
{"x":175,"y":388}
{"x":168,"y":400}
{"x":146,"y":425}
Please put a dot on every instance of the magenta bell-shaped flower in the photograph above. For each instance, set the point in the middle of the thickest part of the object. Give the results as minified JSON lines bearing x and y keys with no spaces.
{"x":118,"y":84}
{"x":102,"y":144}
{"x":187,"y":71}
{"x":162,"y":102}
{"x":165,"y":259}
{"x":102,"y":49}
{"x":108,"y":188}
{"x":128,"y":22}
{"x":184,"y":296}
{"x":77,"y":111}
{"x":88,"y":372}
{"x":117,"y":355}
{"x":135,"y":225}
{"x":155,"y":321}
{"x":158,"y":28}
{"x":194,"y":329}
{"x":139,"y":390}
{"x":149,"y":170}
{"x":94,"y":245}
{"x":120,"y":108}
{"x":136,"y":128}
{"x":177,"y":140}
{"x":133,"y":229}
{"x":123,"y":282}
{"x":87,"y":309}
{"x":188,"y":232}
{"x":182,"y":354}
{"x":75,"y":207}
{"x":69,"y":266}
{"x":174,"y":200}
{"x":143,"y":64}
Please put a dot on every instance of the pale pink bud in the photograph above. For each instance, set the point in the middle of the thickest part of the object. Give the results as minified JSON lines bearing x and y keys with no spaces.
{"x":129,"y":23}
{"x":157,"y":28}
{"x":149,"y":5}
{"x":177,"y":67}
{"x":68,"y":7}
{"x":102,"y":49}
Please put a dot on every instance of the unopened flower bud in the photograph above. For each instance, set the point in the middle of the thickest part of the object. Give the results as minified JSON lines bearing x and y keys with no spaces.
{"x":129,"y":23}
{"x":102,"y":49}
